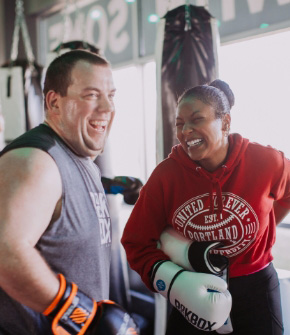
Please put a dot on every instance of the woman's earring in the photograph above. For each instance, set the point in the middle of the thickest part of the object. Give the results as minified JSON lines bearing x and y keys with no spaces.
{"x":227,"y":131}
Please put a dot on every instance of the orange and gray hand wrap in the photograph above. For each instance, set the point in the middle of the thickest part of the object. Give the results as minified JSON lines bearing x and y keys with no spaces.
{"x":71,"y":311}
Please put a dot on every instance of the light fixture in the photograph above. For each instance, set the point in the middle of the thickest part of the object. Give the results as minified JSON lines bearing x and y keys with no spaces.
{"x":153,"y":18}
{"x":96,"y":14}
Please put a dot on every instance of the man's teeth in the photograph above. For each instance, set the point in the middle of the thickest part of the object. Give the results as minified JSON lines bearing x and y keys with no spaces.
{"x":97,"y":124}
{"x":194,"y":142}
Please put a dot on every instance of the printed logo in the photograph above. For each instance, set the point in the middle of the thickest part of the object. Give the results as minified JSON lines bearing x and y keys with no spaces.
{"x":79,"y":315}
{"x":160,"y":285}
{"x":100,"y":204}
{"x":237,"y":225}
{"x":194,"y":319}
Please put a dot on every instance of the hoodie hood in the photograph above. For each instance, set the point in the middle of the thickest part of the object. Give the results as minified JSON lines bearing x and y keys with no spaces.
{"x":237,"y":148}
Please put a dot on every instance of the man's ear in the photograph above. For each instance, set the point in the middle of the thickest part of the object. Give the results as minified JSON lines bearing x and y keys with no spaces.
{"x":52,"y":99}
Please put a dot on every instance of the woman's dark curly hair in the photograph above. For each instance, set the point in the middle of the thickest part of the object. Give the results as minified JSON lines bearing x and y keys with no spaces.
{"x":217,"y":94}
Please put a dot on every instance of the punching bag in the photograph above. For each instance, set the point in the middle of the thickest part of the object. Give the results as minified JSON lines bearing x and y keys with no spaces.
{"x":20,"y":84}
{"x":188,"y":58}
{"x":21,"y":96}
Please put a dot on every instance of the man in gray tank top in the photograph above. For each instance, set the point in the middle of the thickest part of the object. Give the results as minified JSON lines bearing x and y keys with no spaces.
{"x":55,"y":229}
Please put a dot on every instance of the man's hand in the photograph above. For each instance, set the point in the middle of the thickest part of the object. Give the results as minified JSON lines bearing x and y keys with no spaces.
{"x":74,"y":313}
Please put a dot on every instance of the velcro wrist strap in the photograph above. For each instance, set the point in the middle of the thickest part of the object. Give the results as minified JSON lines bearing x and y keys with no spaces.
{"x":72,"y":312}
{"x":165,"y":276}
{"x":156,"y":267}
{"x":202,"y":260}
{"x":172,"y":282}
{"x":60,"y":293}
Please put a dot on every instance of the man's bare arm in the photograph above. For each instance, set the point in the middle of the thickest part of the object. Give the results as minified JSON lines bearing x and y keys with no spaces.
{"x":30,"y":187}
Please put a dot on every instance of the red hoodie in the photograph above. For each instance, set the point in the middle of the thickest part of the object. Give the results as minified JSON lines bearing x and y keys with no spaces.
{"x":233,"y":204}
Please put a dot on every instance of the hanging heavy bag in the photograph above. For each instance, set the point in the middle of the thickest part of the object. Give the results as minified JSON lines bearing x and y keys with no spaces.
{"x":187,"y":59}
{"x":20,"y":84}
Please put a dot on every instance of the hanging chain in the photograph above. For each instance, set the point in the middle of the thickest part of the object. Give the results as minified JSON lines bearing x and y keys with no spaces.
{"x":65,"y":31}
{"x":187,"y":16}
{"x":66,"y":21}
{"x":206,"y":4}
{"x":168,"y":5}
{"x":20,"y":24}
{"x":15,"y":38}
{"x":26,"y":40}
{"x":83,"y":26}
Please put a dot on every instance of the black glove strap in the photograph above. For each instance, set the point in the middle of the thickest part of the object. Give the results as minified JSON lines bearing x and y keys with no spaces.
{"x":155,"y":267}
{"x":72,"y":312}
{"x":172,"y":282}
{"x":202,"y":260}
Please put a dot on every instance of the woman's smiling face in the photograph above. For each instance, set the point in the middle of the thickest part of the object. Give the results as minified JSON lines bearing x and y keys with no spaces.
{"x":201,"y":134}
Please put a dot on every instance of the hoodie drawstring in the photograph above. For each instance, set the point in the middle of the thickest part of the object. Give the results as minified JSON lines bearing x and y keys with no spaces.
{"x":215,"y":187}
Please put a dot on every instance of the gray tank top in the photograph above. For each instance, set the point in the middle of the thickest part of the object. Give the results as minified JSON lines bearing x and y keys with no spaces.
{"x":78,"y":243}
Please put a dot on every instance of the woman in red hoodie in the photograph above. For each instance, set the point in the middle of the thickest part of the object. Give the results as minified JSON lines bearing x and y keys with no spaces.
{"x":213,"y":187}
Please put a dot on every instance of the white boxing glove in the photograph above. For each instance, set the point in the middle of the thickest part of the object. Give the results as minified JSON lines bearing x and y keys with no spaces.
{"x":203,"y":299}
{"x":176,"y":247}
{"x":196,"y":256}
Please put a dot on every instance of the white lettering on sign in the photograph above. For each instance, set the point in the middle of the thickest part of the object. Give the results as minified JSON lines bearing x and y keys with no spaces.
{"x":118,"y":42}
{"x":228,"y":10}
{"x":255,"y":6}
{"x":53,"y":33}
{"x":72,"y":31}
{"x":101,"y":24}
{"x":110,"y":28}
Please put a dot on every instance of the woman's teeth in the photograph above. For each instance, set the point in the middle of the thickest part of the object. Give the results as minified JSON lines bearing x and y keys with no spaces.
{"x":194,"y":142}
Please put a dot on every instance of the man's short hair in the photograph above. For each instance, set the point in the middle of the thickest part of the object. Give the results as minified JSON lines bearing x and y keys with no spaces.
{"x":58,"y":74}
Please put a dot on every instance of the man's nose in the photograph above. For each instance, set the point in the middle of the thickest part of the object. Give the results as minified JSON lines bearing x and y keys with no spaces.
{"x":105,"y":105}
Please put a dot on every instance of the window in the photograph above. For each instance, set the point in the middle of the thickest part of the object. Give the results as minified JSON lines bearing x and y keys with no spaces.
{"x":133,"y":133}
{"x":258,"y":72}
